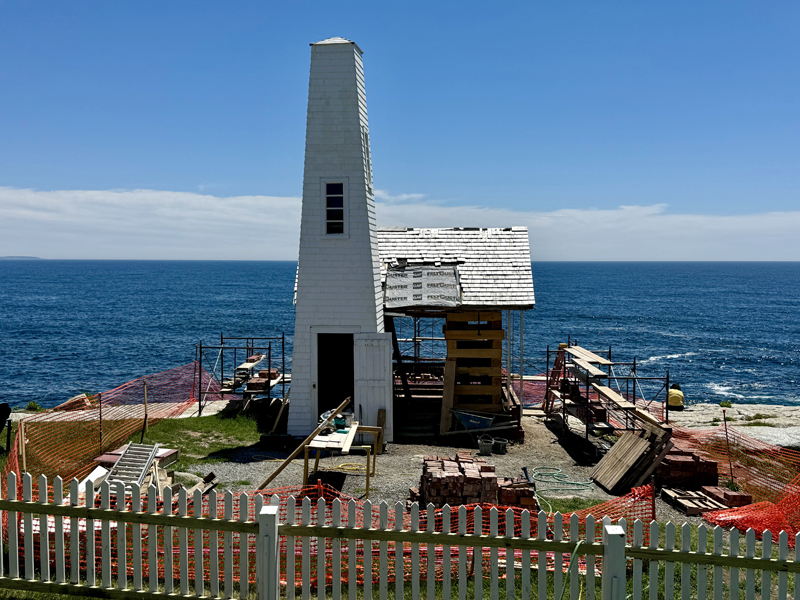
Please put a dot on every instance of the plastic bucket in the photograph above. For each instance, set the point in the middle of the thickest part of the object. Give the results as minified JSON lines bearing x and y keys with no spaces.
{"x":485,"y":443}
{"x":500,"y":445}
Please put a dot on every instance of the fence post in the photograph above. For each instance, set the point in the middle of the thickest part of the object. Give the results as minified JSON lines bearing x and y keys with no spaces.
{"x":613,"y":577}
{"x":268,"y":576}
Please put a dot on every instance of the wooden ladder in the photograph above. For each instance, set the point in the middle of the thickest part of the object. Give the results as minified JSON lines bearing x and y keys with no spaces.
{"x":553,"y":380}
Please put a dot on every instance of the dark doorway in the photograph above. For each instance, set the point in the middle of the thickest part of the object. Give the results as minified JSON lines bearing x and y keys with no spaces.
{"x":334,"y":369}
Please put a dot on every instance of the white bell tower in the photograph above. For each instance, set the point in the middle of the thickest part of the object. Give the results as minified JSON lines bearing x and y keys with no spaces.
{"x":340,"y":349}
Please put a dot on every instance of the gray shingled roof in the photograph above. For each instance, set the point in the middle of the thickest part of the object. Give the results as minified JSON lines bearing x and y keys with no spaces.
{"x":494,"y":265}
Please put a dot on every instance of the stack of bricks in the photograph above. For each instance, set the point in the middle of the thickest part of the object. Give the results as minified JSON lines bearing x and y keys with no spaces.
{"x":454,"y":481}
{"x":727,"y":497}
{"x":518,"y":492}
{"x":686,"y":470}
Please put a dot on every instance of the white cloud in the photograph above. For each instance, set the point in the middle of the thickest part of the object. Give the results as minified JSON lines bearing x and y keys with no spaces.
{"x":151,"y":224}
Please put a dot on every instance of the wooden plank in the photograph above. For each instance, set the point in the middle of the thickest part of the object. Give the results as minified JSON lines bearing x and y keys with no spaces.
{"x":446,"y":418}
{"x":477,"y":390}
{"x":622,"y":457}
{"x":494,"y":353}
{"x":479,"y":371}
{"x":299,"y":449}
{"x":588,"y":356}
{"x":589,"y":368}
{"x":470,"y":334}
{"x":475,"y":316}
{"x":613,"y":396}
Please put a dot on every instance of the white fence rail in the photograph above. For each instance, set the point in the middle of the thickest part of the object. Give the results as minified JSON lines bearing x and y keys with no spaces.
{"x":140,"y":544}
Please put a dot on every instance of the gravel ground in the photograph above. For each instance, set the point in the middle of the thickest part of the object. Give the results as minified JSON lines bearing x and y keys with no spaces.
{"x":400,"y":467}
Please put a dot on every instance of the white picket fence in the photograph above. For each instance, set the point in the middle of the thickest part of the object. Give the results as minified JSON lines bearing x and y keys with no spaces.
{"x":337,"y":550}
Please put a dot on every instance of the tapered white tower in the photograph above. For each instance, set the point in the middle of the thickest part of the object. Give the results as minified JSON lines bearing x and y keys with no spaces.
{"x":340,"y":349}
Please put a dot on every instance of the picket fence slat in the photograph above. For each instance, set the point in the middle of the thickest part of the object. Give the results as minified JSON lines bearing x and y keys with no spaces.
{"x":13,"y":538}
{"x":494,"y":574}
{"x":183,"y":542}
{"x":541,"y":557}
{"x":122,"y":539}
{"x":430,"y":555}
{"x":367,"y":517}
{"x":590,"y":559}
{"x":198,"y":543}
{"x":669,"y":566}
{"x":750,"y":574}
{"x":414,"y":552}
{"x":717,"y":568}
{"x":702,"y":570}
{"x":213,"y":542}
{"x":510,"y":558}
{"x":766,"y":575}
{"x":305,"y":519}
{"x":733,"y":550}
{"x":136,"y":506}
{"x":447,"y":568}
{"x":686,"y":568}
{"x":525,"y":525}
{"x":352,"y":550}
{"x":399,"y":552}
{"x":336,"y":566}
{"x":291,"y":549}
{"x":383,"y":566}
{"x":74,"y":536}
{"x":152,"y":540}
{"x":462,"y":554}
{"x":654,"y":532}
{"x":44,"y":533}
{"x":321,"y":574}
{"x":169,"y":531}
{"x":783,"y":554}
{"x":60,"y":558}
{"x":244,"y":548}
{"x":797,"y":558}
{"x":27,"y":519}
{"x":638,"y":538}
{"x":477,"y":554}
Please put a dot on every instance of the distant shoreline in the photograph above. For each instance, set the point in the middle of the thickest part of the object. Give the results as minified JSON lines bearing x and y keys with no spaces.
{"x":20,"y":258}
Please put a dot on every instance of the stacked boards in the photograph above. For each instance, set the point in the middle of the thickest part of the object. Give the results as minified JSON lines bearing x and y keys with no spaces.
{"x":473,"y":371}
{"x":633,"y":458}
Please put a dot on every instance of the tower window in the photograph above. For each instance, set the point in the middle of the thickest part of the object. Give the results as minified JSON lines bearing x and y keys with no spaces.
{"x":334,"y":208}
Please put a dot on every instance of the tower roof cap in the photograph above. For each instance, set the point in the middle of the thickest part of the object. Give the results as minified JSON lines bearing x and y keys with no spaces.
{"x":336,"y":40}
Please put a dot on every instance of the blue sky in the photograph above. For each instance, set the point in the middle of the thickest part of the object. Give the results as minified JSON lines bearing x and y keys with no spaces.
{"x":671,"y":131}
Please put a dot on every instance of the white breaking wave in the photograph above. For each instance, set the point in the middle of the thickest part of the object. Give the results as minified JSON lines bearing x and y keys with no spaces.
{"x":653,"y":359}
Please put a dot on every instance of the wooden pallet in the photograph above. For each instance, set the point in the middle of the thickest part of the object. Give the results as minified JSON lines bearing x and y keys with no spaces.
{"x":689,"y":502}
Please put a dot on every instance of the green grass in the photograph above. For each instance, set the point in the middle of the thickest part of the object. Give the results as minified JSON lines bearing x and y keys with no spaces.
{"x":567,"y":506}
{"x":757,"y":424}
{"x":202,"y":441}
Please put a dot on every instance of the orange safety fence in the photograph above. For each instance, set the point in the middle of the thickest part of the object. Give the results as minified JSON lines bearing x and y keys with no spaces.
{"x":770,"y":474}
{"x":352,"y":513}
{"x":65,"y":440}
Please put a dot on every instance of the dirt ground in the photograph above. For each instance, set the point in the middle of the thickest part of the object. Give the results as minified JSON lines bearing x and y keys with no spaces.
{"x":400,"y":467}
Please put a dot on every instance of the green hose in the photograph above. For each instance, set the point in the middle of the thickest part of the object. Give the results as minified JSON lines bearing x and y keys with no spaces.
{"x":554,"y":475}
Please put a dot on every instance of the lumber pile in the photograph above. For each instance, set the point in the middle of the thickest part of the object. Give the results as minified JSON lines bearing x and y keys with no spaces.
{"x":727,"y":497}
{"x":690,"y":502}
{"x":464,"y":479}
{"x":686,"y":470}
{"x":633,"y":458}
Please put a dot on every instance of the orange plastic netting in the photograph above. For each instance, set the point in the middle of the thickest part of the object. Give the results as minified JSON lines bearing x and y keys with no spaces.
{"x":351,"y":512}
{"x":65,"y":440}
{"x":770,"y":474}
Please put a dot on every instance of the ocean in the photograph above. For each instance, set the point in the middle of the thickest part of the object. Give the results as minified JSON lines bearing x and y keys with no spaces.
{"x":723,"y":330}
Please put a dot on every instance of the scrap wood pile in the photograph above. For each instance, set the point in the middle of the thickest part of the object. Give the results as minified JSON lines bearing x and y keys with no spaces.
{"x":633,"y":458}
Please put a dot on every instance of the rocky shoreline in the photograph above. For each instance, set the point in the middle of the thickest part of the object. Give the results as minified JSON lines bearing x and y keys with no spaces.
{"x":774,"y":424}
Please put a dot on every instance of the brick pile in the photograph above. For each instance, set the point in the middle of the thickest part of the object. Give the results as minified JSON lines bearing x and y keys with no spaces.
{"x":464,"y":479}
{"x":686,"y":470}
{"x":517,"y":492}
{"x":727,"y":497}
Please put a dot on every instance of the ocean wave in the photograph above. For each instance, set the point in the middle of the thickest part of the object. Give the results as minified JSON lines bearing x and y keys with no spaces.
{"x":653,"y":359}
